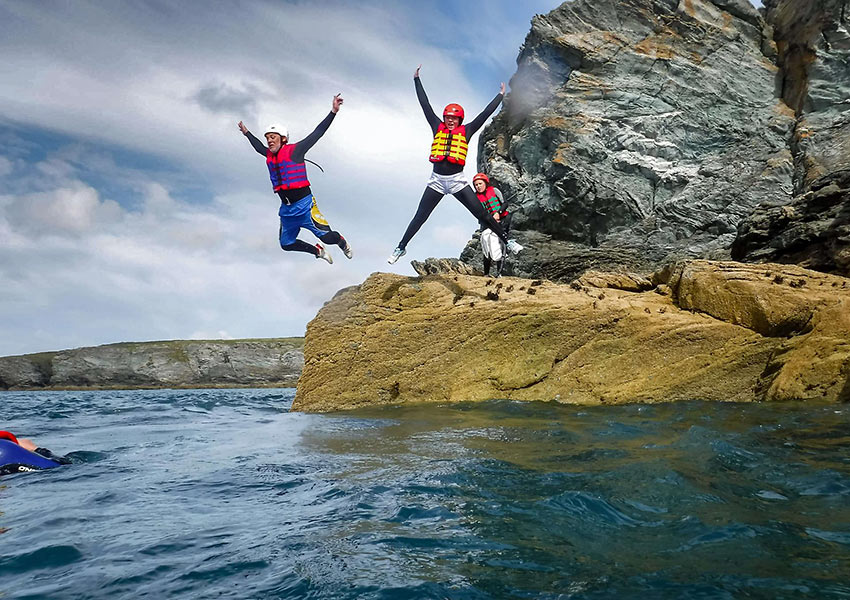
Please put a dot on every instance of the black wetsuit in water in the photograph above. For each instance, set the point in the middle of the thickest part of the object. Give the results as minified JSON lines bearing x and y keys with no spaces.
{"x":17,"y":468}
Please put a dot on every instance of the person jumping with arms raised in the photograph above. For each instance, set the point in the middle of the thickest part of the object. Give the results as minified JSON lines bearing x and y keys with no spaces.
{"x":298,"y":208}
{"x":448,"y":153}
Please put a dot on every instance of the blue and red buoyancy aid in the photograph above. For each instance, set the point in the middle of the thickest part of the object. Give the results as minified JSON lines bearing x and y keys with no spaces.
{"x":285,"y":174}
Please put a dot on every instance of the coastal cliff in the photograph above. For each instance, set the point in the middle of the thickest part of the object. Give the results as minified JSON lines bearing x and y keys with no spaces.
{"x":640,"y":132}
{"x":185,"y":363}
{"x":644,"y":143}
{"x":697,"y":330}
{"x":812,"y":226}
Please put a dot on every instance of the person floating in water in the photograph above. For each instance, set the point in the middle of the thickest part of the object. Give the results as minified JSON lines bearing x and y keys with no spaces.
{"x":448,"y":153}
{"x":288,"y":174}
{"x":494,"y":203}
{"x":18,"y":455}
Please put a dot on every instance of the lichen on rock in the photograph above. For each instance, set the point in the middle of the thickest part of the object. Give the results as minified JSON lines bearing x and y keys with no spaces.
{"x":725,"y":331}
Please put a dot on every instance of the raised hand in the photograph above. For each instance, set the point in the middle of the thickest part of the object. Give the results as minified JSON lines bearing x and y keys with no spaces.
{"x":337,"y":102}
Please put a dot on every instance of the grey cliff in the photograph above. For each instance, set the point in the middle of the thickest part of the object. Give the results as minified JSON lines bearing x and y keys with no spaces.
{"x":811,"y":228}
{"x":639,"y":132}
{"x":266,"y":362}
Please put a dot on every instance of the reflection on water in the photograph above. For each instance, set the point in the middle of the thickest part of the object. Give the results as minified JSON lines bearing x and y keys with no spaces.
{"x":222,"y":493}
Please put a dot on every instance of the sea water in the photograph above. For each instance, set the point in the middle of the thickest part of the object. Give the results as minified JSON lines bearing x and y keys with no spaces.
{"x":227,"y":494}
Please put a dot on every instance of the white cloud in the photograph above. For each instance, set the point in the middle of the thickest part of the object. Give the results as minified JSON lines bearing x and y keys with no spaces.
{"x":75,"y":210}
{"x":5,"y":166}
{"x":100,"y":272}
{"x":452,"y":234}
{"x":97,"y":245}
{"x":207,"y":335}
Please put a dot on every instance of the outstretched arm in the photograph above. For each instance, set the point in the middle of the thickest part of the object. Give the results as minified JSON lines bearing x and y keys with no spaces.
{"x":33,"y":447}
{"x":308,"y":142}
{"x":476,"y":123}
{"x":257,"y":144}
{"x":27,"y":444}
{"x":432,"y":118}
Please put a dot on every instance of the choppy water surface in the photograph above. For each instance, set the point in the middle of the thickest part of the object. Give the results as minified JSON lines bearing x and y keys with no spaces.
{"x":225,"y":494}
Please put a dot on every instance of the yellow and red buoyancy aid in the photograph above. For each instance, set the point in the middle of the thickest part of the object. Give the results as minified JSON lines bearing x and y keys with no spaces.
{"x":285,"y":174}
{"x":449,"y":145}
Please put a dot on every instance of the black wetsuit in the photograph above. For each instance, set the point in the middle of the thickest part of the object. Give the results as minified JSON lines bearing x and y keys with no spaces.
{"x":430,"y":197}
{"x":294,"y":195}
{"x":17,"y":468}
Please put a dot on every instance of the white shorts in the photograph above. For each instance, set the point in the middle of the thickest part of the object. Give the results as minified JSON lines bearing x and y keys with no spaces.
{"x":491,"y":245}
{"x":447,"y":184}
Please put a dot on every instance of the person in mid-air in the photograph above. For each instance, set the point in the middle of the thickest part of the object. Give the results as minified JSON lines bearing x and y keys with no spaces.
{"x":448,"y":154}
{"x":288,"y":174}
{"x":493,"y":201}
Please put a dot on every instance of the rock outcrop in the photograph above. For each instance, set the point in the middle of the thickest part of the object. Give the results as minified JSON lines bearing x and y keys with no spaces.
{"x":433,"y":266}
{"x":638,"y":132}
{"x":698,"y":330}
{"x":812,"y":228}
{"x":266,"y":362}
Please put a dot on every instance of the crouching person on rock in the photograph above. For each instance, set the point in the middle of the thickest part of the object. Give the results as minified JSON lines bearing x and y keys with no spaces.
{"x":492,"y":246}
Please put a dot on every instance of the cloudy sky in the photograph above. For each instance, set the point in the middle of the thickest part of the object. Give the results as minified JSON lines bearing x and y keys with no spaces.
{"x":131,"y":208}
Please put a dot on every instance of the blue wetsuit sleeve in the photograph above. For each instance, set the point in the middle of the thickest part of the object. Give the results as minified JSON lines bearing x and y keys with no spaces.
{"x":433,"y":120}
{"x":308,"y":142}
{"x":476,"y":123}
{"x":257,"y":144}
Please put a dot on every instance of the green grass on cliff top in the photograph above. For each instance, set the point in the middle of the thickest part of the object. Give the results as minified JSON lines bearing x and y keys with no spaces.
{"x":39,"y":357}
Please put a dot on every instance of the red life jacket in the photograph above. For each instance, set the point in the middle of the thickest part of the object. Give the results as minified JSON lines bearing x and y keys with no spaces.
{"x":491,"y":201}
{"x":285,"y":174}
{"x":449,"y":145}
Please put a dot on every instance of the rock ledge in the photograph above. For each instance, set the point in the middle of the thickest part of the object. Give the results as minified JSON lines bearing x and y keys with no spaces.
{"x":695,"y":330}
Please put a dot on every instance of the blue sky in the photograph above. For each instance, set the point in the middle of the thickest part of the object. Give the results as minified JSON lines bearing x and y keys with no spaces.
{"x":132,"y":209}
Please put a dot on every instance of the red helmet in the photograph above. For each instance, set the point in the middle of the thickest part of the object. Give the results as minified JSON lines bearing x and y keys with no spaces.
{"x":454,"y":110}
{"x":482,"y":177}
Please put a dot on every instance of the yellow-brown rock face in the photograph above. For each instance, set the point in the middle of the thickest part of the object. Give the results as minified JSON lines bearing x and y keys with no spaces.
{"x":712,"y":331}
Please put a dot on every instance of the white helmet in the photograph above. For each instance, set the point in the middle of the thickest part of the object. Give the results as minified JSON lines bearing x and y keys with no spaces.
{"x":279,"y":129}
